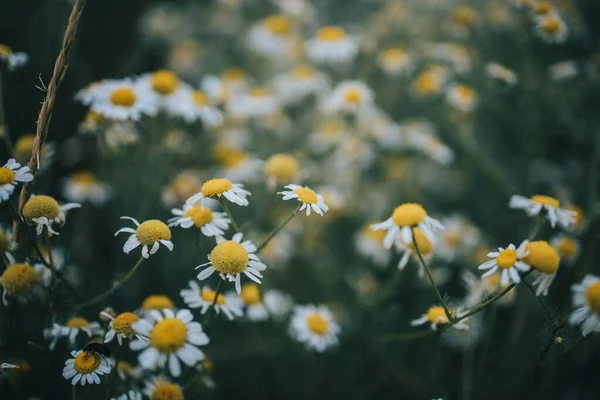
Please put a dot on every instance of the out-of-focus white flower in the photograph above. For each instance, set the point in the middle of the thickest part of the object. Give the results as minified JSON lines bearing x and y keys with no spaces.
{"x":586,"y":303}
{"x":84,"y":186}
{"x":461,"y":97}
{"x":349,"y":97}
{"x":534,"y":205}
{"x":497,"y":71}
{"x":395,"y":62}
{"x":563,"y":70}
{"x":13,"y":60}
{"x":551,"y":28}
{"x":298,"y":83}
{"x":271,"y":36}
{"x":315,"y":327}
{"x":331,"y":45}
{"x":123,"y":100}
{"x":71,"y":329}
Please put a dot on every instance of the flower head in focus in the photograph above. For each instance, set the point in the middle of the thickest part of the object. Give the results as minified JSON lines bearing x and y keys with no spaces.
{"x":404,"y":218}
{"x":44,"y":211}
{"x":221,"y":187}
{"x":85,"y":366}
{"x":534,"y":205}
{"x":509,"y":261}
{"x":10,"y":175}
{"x":149,"y":234}
{"x":210,"y":223}
{"x":306,"y":196}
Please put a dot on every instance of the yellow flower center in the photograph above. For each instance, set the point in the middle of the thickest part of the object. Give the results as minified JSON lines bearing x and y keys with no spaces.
{"x":216,"y":187}
{"x":227,"y":156}
{"x":168,"y":335}
{"x":493,"y":280}
{"x":545,"y":200}
{"x":317,"y":323}
{"x":427,"y":83}
{"x":157,"y":302}
{"x":23,"y":148}
{"x":409,"y":214}
{"x":41,"y":206}
{"x":331,"y":34}
{"x":376,"y":235}
{"x":209,"y":296}
{"x":6,"y":176}
{"x":567,"y":247}
{"x":393,"y":56}
{"x":542,"y":257}
{"x":353,"y":96}
{"x":464,"y":16}
{"x":234,"y":75}
{"x":152,"y":231}
{"x":302,"y":72}
{"x":425,"y":245}
{"x":542,"y":8}
{"x":77,"y":322}
{"x":229,"y":257}
{"x":87,"y":362}
{"x":278,"y":25}
{"x":283,"y":167}
{"x":20,"y":279}
{"x":125,"y":367}
{"x":200,"y":215}
{"x":592,"y":297}
{"x":207,"y":363}
{"x":200,"y":98}
{"x":93,"y":117}
{"x":85,"y":179}
{"x":465,"y":92}
{"x":164,"y":390}
{"x":164,"y":82}
{"x":5,"y":50}
{"x":185,"y":186}
{"x":551,"y":25}
{"x":123,"y":97}
{"x":259,"y":92}
{"x":507,"y":258}
{"x":122,"y":324}
{"x":453,"y":238}
{"x":250,"y":294}
{"x":306,"y":195}
{"x":436,"y":314}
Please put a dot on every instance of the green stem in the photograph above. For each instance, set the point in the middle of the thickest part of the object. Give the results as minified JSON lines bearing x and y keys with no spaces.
{"x":226,"y":208}
{"x":437,"y":292}
{"x":400,"y":337}
{"x":276,"y":231}
{"x":213,"y":311}
{"x":542,"y":303}
{"x":537,"y":226}
{"x":112,"y":289}
{"x":73,"y":392}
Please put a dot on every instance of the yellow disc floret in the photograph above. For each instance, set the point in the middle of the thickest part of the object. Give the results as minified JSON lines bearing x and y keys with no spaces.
{"x":353,"y":96}
{"x":7,"y":176}
{"x":157,"y":302}
{"x":229,"y":257}
{"x":209,"y":296}
{"x":250,"y":294}
{"x":199,"y":215}
{"x":41,"y":206}
{"x":216,"y":187}
{"x":23,"y":148}
{"x":20,"y":279}
{"x":409,"y":214}
{"x":464,"y":16}
{"x":545,"y":200}
{"x":306,"y":195}
{"x":437,"y":315}
{"x":234,"y":75}
{"x":302,"y":72}
{"x":542,"y":257}
{"x":200,"y":98}
{"x":507,"y":258}
{"x":551,"y":25}
{"x":77,"y":322}
{"x":425,"y":245}
{"x":259,"y":92}
{"x":592,"y":296}
{"x":278,"y":25}
{"x":375,"y":235}
{"x":317,"y":324}
{"x":164,"y":390}
{"x":87,"y":362}
{"x":85,"y":179}
{"x":164,"y":82}
{"x":168,"y":335}
{"x":5,"y":50}
{"x":567,"y":247}
{"x":152,"y":231}
{"x":122,"y":323}
{"x":282,"y":167}
{"x":331,"y":34}
{"x":123,"y":97}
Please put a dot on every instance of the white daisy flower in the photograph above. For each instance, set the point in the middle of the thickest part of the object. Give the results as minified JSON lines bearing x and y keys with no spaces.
{"x":534,"y":205}
{"x":544,"y":259}
{"x":121,"y":327}
{"x":306,"y":196}
{"x":299,"y":83}
{"x":271,"y":36}
{"x":71,"y":329}
{"x":210,"y":223}
{"x":278,"y":304}
{"x":479,"y":289}
{"x":281,"y":168}
{"x":509,"y":261}
{"x":395,"y":61}
{"x":124,"y":100}
{"x":461,"y":97}
{"x":369,"y":244}
{"x":130,"y":395}
{"x":19,"y":281}
{"x":162,"y":85}
{"x":171,"y":337}
{"x":13,"y":60}
{"x":331,"y":45}
{"x":459,"y":239}
{"x":563,"y":70}
{"x":586,"y":304}
{"x":568,"y":247}
{"x":436,"y":316}
{"x":215,"y":188}
{"x":452,"y":53}
{"x":193,"y":105}
{"x":403,"y":219}
{"x":231,"y":258}
{"x":257,"y":102}
{"x":84,"y":186}
{"x":44,"y":211}
{"x":149,"y":233}
{"x":551,"y":28}
{"x":10,"y":175}
{"x":350,"y":97}
{"x":85,"y":366}
{"x":162,"y":389}
{"x":202,"y":298}
{"x":255,"y":309}
{"x":315,"y":327}
{"x":408,"y":248}
{"x":498,"y":71}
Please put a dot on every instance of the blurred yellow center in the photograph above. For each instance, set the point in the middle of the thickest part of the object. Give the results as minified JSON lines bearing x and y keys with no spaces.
{"x":200,"y":215}
{"x":427,"y":83}
{"x":23,"y":147}
{"x":157,"y":302}
{"x":152,"y":231}
{"x":592,"y":297}
{"x":168,"y":335}
{"x":331,"y":34}
{"x":122,"y":324}
{"x":353,"y":96}
{"x":302,"y":72}
{"x":125,"y":367}
{"x":283,"y":167}
{"x":77,"y":322}
{"x":465,"y":92}
{"x":425,"y":245}
{"x":20,"y":279}
{"x":507,"y":258}
{"x":164,"y":82}
{"x":463,"y":15}
{"x":124,"y":97}
{"x":229,"y":257}
{"x":436,"y":314}
{"x":317,"y":323}
{"x":216,"y":187}
{"x":393,"y":56}
{"x":164,"y":390}
{"x":545,"y":200}
{"x":5,"y":50}
{"x":200,"y":98}
{"x":409,"y":214}
{"x":542,"y":257}
{"x":278,"y":25}
{"x":567,"y":247}
{"x":7,"y":176}
{"x":542,"y":8}
{"x":209,"y":296}
{"x":306,"y":195}
{"x":41,"y":206}
{"x":551,"y":25}
{"x":85,"y":179}
{"x":260,"y":92}
{"x":86,"y":362}
{"x":452,"y":238}
{"x":376,"y":235}
{"x":233,"y":75}
{"x":250,"y":294}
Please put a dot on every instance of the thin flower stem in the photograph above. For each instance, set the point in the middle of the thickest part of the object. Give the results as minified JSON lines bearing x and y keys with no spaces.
{"x":537,"y":226}
{"x":74,"y":392}
{"x":112,"y":289}
{"x":226,"y":208}
{"x":437,"y":292}
{"x":276,"y":231}
{"x":213,"y":311}
{"x":400,"y":337}
{"x":542,"y":303}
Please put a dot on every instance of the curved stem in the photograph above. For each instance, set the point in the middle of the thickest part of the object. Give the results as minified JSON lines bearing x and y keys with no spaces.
{"x":437,"y":292}
{"x":212,"y":311}
{"x":226,"y":208}
{"x":112,"y":289}
{"x":276,"y":231}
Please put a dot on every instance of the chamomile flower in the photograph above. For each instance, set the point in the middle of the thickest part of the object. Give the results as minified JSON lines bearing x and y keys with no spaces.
{"x":84,"y":186}
{"x":463,"y":19}
{"x":461,"y":97}
{"x":202,"y":298}
{"x":124,"y":100}
{"x":534,"y":205}
{"x":10,"y":175}
{"x":436,"y":317}
{"x":126,"y":371}
{"x":162,"y":85}
{"x":281,"y":169}
{"x":349,"y":97}
{"x":257,"y":102}
{"x":545,"y":260}
{"x":182,"y":187}
{"x":331,"y":45}
{"x":85,"y":366}
{"x":19,"y":281}
{"x":315,"y":327}
{"x":369,"y":244}
{"x":404,"y":218}
{"x":24,"y":147}
{"x":231,"y":258}
{"x":306,"y":196}
{"x":149,"y":233}
{"x":551,"y":28}
{"x":271,"y":36}
{"x":327,"y":135}
{"x":43,"y":211}
{"x":298,"y":83}
{"x":71,"y":329}
{"x":586,"y":303}
{"x":162,"y":389}
{"x":408,"y":248}
{"x":13,"y":60}
{"x":194,"y":105}
{"x":479,"y":289}
{"x":278,"y":303}
{"x":500,"y":72}
{"x":395,"y":61}
{"x":255,"y":309}
{"x":221,"y":187}
{"x":567,"y":246}
{"x":563,"y":70}
{"x":170,"y":337}
{"x":458,"y":240}
{"x":431,"y":81}
{"x":509,"y":261}
{"x":121,"y":327}
{"x":210,"y":223}
{"x":130,"y":395}
{"x":157,"y":302}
